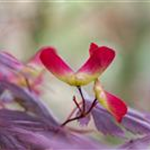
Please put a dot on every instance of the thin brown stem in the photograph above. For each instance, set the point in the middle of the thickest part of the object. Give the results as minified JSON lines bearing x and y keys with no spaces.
{"x":72,"y":112}
{"x":77,"y":104}
{"x":28,"y":84}
{"x":92,"y":106}
{"x":72,"y":119}
{"x":83,"y":100}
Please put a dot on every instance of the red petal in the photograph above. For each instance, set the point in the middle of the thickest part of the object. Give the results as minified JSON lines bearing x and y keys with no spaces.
{"x":96,"y":64}
{"x":117,"y":107}
{"x":55,"y":64}
{"x":93,"y":47}
{"x":112,"y":103}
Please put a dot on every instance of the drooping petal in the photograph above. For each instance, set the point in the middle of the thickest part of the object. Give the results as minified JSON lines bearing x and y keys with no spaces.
{"x":56,"y":65}
{"x":134,"y":121}
{"x":117,"y":107}
{"x":113,"y":104}
{"x":99,"y":60}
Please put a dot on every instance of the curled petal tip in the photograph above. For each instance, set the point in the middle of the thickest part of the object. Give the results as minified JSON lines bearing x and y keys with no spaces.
{"x":93,"y":47}
{"x":98,"y":61}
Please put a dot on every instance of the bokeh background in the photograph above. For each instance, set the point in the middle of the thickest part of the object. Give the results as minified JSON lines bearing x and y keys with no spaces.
{"x":71,"y":27}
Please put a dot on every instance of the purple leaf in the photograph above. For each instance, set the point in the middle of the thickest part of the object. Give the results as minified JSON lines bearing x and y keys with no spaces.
{"x":105,"y":123}
{"x":138,"y":114}
{"x":22,"y":119}
{"x":137,"y":144}
{"x":135,"y":125}
{"x":9,"y":61}
{"x":29,"y":101}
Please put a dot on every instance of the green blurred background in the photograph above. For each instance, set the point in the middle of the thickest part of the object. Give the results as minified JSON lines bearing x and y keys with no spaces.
{"x":71,"y":27}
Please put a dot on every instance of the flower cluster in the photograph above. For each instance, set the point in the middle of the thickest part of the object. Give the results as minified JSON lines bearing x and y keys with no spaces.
{"x":100,"y":58}
{"x":35,"y":128}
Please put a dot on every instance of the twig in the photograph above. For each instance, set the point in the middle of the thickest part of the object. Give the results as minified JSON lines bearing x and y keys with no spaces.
{"x":83,"y":100}
{"x":77,"y":104}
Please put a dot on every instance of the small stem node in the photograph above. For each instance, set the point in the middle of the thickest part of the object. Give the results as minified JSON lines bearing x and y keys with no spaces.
{"x":82,"y":115}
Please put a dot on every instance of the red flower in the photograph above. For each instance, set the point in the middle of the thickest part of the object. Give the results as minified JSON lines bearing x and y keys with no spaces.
{"x":99,"y":60}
